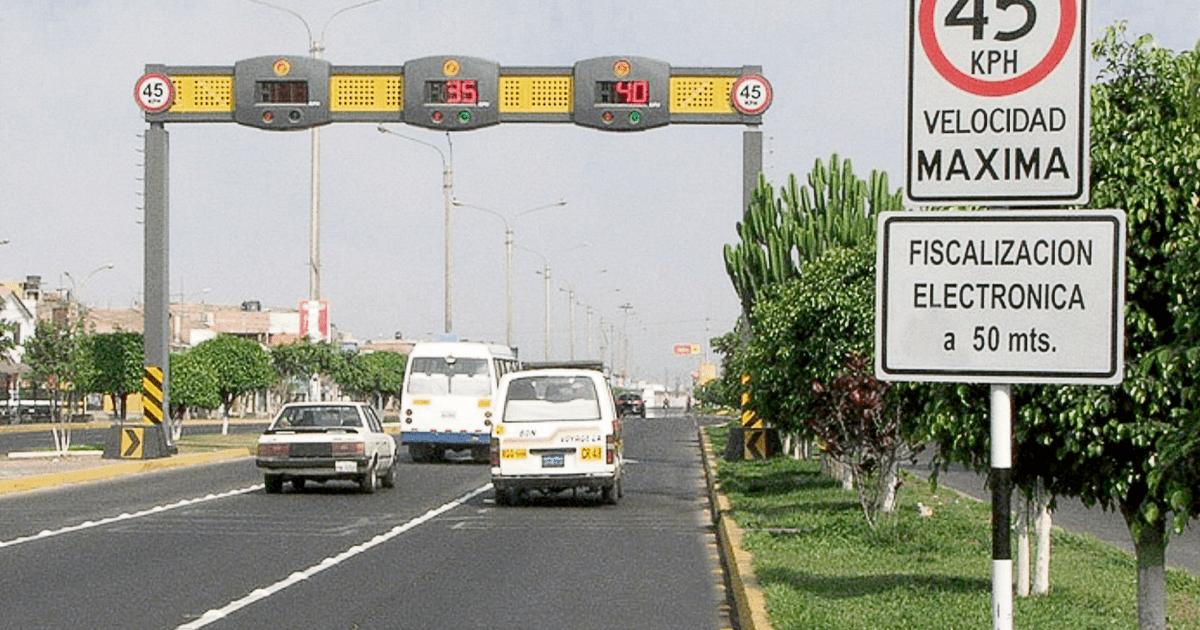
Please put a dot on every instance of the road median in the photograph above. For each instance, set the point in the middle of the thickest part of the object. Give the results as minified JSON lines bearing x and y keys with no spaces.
{"x":750,"y":603}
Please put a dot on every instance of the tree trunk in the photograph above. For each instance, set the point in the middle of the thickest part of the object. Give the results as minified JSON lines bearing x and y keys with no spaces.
{"x":1023,"y":546}
{"x":1042,"y":522}
{"x":1151,"y":547}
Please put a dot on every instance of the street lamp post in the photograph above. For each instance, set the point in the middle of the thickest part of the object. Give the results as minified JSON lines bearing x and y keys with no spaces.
{"x":626,"y":307}
{"x":571,"y":315}
{"x":448,"y":198}
{"x":315,"y":48}
{"x":508,"y":258}
{"x":74,"y":296}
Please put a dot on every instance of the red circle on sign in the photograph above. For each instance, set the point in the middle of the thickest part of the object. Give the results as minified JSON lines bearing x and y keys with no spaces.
{"x":1008,"y":87}
{"x":768,"y":94}
{"x":167,"y":100}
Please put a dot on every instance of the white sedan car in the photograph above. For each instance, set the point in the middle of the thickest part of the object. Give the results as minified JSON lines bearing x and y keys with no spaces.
{"x":323,"y":441}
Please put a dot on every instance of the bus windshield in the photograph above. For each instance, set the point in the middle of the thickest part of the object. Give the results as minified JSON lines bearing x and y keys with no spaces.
{"x":449,"y":375}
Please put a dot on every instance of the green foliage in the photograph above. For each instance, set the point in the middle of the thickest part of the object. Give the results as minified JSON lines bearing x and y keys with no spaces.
{"x":115,"y":363}
{"x":804,"y":329}
{"x":241,"y":365}
{"x":377,"y":375}
{"x":302,"y":359}
{"x":193,"y":383}
{"x":8,"y":338}
{"x":780,"y":233}
{"x":1134,"y":447}
{"x":55,"y":356}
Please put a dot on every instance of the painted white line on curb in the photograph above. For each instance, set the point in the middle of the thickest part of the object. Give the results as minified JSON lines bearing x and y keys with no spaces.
{"x":47,"y":533}
{"x":332,"y":561}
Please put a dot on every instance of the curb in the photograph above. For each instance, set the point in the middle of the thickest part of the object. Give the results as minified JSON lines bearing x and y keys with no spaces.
{"x":749,"y":600}
{"x":117,"y":469}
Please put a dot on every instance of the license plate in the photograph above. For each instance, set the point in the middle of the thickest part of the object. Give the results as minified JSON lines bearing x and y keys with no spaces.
{"x":591,"y":452}
{"x":557,"y":460}
{"x":512,"y":453}
{"x":345,"y":467}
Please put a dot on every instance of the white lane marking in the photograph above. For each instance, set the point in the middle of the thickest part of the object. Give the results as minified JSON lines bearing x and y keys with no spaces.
{"x":332,"y":561}
{"x":126,"y":516}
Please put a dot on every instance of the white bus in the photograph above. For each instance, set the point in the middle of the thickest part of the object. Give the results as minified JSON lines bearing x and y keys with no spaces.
{"x":447,"y":398}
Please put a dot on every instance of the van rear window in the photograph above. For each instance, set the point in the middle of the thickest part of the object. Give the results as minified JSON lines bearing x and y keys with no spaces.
{"x":537,"y":398}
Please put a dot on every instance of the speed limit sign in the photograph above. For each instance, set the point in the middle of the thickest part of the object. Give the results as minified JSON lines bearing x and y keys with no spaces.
{"x":154,"y":93}
{"x":751,"y":94}
{"x":998,"y":102}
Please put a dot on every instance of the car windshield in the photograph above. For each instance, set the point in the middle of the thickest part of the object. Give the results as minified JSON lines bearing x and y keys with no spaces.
{"x":536,"y":398}
{"x":449,"y":375}
{"x":317,"y":417}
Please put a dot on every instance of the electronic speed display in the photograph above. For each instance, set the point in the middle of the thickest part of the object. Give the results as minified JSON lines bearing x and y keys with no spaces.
{"x":622,"y":93}
{"x":451,"y":93}
{"x":282,"y":93}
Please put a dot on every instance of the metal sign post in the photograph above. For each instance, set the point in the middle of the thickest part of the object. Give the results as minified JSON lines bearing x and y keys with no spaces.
{"x":998,"y":115}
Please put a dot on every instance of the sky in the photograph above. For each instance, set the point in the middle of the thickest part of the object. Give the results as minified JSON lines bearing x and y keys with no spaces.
{"x":646,"y":213}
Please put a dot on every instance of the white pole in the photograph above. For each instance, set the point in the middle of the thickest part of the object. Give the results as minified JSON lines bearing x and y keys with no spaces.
{"x":508,"y":285}
{"x":1002,"y":565}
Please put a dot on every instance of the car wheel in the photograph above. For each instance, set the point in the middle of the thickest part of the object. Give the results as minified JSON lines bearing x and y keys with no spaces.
{"x":504,"y":496}
{"x":609,"y":494}
{"x":369,"y":482}
{"x":298,"y":484}
{"x":620,"y":488}
{"x":389,"y":477}
{"x":274,"y":483}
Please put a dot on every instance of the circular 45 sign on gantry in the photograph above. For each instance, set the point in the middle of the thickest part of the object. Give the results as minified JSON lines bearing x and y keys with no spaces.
{"x":997,"y":102}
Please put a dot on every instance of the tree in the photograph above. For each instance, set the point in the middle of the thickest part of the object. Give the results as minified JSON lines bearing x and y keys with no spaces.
{"x":809,"y":362}
{"x":53,"y":354}
{"x":241,"y":365}
{"x":193,"y":384}
{"x":375,"y":375}
{"x":8,"y":338}
{"x":780,"y":233}
{"x":1133,"y":447}
{"x":301,"y":361}
{"x":115,"y":366}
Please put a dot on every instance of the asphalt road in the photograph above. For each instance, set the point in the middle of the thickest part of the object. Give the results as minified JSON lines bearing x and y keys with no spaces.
{"x":435,"y":552}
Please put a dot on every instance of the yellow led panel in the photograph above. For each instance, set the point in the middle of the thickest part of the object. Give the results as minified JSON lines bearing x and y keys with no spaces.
{"x":701,"y":95}
{"x":366,"y":93}
{"x":201,"y":93}
{"x":521,"y":94}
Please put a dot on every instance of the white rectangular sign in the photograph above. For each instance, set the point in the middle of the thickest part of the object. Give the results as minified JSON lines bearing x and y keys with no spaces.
{"x":997,"y":103}
{"x":1034,"y":296}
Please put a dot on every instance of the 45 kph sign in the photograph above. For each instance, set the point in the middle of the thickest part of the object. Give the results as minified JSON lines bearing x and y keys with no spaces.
{"x":997,"y":102}
{"x":1001,"y":296}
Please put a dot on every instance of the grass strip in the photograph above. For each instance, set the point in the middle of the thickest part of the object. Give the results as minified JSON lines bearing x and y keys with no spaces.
{"x":205,"y":442}
{"x":823,"y":568}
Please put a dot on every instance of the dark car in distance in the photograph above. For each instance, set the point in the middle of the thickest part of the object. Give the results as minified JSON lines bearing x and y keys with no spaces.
{"x":630,"y":404}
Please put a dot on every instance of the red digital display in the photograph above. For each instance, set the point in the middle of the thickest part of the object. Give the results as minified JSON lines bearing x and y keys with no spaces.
{"x":623,"y":92}
{"x":292,"y":92}
{"x":452,"y":92}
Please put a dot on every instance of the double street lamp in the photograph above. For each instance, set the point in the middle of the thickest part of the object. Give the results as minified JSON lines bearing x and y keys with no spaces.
{"x":315,"y":48}
{"x":508,"y":263}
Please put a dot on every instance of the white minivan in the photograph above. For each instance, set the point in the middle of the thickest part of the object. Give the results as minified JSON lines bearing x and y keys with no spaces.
{"x":558,"y":430}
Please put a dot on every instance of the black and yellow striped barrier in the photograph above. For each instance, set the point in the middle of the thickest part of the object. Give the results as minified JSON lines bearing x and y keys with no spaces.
{"x":755,"y":438}
{"x":152,"y":394}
